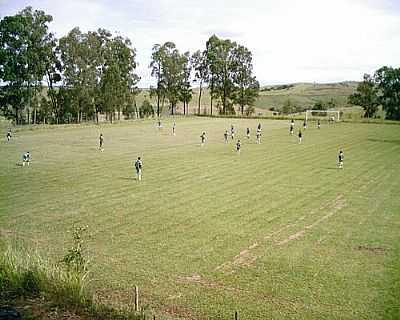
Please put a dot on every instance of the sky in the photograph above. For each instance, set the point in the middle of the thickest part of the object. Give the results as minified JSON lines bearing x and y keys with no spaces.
{"x":291,"y":40}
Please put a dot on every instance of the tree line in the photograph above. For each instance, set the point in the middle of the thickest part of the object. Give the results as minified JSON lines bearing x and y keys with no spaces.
{"x":82,"y":75}
{"x":381,"y":89}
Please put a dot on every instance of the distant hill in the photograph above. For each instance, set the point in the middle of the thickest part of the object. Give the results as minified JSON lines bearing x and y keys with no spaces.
{"x":303,"y":95}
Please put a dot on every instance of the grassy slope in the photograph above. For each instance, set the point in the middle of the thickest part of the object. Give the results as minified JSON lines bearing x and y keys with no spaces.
{"x":275,"y":232}
{"x":300,"y":94}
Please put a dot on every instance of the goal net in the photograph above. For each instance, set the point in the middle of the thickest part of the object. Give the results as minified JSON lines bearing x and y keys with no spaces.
{"x":329,"y":115}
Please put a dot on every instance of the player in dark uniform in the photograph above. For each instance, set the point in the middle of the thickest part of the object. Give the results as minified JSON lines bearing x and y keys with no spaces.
{"x":305,"y":125}
{"x":26,"y":158}
{"x":248,"y":133}
{"x":226,"y":136}
{"x":291,"y":127}
{"x":173,"y":128}
{"x":138,"y":167}
{"x":238,"y":145}
{"x":318,"y":124}
{"x":9,"y":135}
{"x":300,"y":136}
{"x":259,"y":126}
{"x":232,"y":132}
{"x":101,"y":142}
{"x":203,"y":138}
{"x":341,"y":159}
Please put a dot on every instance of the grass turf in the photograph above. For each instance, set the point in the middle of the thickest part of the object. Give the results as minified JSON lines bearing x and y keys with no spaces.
{"x":275,"y":232}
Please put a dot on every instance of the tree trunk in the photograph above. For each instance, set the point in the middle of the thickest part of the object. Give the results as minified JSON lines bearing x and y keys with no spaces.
{"x":184,"y":108}
{"x":119,"y":114}
{"x":200,"y":92}
{"x":28,"y":116}
{"x":34,"y":116}
{"x":97,"y":117}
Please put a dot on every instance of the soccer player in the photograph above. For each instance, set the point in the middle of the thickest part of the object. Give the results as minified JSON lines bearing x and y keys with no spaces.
{"x":318,"y":124}
{"x":26,"y":158}
{"x":300,"y":136}
{"x":173,"y":128}
{"x":9,"y":135}
{"x":258,"y":135}
{"x":305,"y":125}
{"x":340,"y":158}
{"x":101,"y":142}
{"x":238,"y":145}
{"x":159,"y":124}
{"x":226,"y":136}
{"x":138,"y":167}
{"x":259,"y":126}
{"x":291,"y":127}
{"x":203,"y":138}
{"x":248,"y":133}
{"x":232,"y":132}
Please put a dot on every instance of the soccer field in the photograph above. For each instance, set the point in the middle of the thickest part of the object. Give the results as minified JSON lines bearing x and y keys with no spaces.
{"x":276,"y":232}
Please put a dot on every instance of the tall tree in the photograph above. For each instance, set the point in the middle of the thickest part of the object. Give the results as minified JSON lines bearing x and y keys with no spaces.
{"x":119,"y":80}
{"x":366,"y":96}
{"x":199,"y":62}
{"x":25,"y":44}
{"x":156,"y":65}
{"x":247,"y":87}
{"x":79,"y":71}
{"x":388,"y":81}
{"x":222,"y":65}
{"x":186,"y":93}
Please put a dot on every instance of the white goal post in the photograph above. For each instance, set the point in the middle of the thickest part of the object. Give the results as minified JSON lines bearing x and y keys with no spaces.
{"x":333,"y":115}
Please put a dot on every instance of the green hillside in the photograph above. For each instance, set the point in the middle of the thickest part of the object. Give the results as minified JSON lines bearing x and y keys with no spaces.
{"x":303,"y":95}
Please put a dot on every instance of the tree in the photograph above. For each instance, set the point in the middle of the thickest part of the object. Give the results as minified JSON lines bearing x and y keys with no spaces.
{"x":172,"y":72}
{"x":288,"y":107}
{"x":146,"y":109}
{"x":222,"y":65}
{"x":156,"y":65}
{"x":199,"y":62}
{"x":118,"y":82}
{"x":25,"y":46}
{"x":79,"y":71}
{"x":247,"y":87}
{"x":186,"y":93}
{"x":388,"y":82}
{"x":366,"y":96}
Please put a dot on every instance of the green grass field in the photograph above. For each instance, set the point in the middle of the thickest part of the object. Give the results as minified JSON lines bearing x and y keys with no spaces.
{"x":277,"y":232}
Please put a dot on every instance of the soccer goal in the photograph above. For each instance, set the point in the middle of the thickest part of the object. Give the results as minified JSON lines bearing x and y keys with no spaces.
{"x":330,"y":115}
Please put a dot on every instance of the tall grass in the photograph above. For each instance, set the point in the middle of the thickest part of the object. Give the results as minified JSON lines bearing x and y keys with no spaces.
{"x":25,"y":274}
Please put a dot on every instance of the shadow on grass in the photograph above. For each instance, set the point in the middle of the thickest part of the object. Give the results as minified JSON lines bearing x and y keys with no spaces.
{"x":393,"y":141}
{"x":332,"y":168}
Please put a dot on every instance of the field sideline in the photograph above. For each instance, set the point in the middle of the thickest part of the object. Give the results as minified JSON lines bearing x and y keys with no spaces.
{"x":277,"y":232}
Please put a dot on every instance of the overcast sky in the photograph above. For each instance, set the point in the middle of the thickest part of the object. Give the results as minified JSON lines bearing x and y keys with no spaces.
{"x":291,"y":40}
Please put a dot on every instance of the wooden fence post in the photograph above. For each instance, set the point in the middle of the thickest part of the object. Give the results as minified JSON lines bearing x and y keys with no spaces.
{"x":136,"y":298}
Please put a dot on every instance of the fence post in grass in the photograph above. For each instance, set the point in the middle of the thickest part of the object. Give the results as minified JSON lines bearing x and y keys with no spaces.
{"x":136,"y":298}
{"x":236,"y":315}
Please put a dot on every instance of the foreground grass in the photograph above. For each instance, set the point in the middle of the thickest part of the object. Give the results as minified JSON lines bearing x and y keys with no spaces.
{"x":277,"y":232}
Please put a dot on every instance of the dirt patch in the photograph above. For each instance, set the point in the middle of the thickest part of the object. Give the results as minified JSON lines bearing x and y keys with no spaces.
{"x":204,"y":282}
{"x":376,"y":250}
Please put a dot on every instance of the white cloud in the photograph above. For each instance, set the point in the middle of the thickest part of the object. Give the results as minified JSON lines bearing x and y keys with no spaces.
{"x":291,"y":40}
